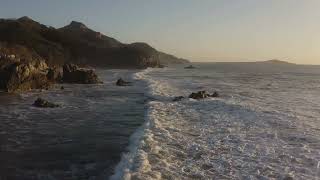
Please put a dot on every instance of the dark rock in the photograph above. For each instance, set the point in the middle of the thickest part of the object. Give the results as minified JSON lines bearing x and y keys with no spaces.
{"x":178,"y":98}
{"x":190,"y":67}
{"x":203,"y":95}
{"x":44,"y":104}
{"x":73,"y":74}
{"x":215,"y":94}
{"x":121,"y":82}
{"x":199,"y":95}
{"x":54,"y":74}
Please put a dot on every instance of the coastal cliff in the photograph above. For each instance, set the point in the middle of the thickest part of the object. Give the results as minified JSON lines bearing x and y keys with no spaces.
{"x":32,"y":54}
{"x":76,"y":43}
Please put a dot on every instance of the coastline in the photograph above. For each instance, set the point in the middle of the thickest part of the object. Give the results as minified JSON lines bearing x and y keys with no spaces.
{"x":246,"y":132}
{"x":155,"y":137}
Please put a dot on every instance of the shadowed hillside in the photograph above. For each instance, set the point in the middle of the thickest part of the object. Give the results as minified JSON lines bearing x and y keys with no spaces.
{"x":78,"y":44}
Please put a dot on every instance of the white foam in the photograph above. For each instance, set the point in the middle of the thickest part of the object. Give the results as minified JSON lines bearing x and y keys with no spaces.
{"x":233,"y":137}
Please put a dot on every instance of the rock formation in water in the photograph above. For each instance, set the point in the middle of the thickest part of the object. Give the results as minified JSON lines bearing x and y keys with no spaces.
{"x":190,"y":67}
{"x":202,"y":95}
{"x":73,"y":74}
{"x":22,"y":70}
{"x":121,"y":82}
{"x":42,"y":103}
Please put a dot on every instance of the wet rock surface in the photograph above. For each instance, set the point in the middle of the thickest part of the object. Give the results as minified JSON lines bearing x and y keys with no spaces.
{"x":42,"y":103}
{"x":202,"y":95}
{"x":121,"y":82}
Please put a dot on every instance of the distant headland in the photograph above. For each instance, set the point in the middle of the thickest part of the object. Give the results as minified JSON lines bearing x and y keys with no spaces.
{"x":276,"y":61}
{"x":76,"y":43}
{"x":33,"y":56}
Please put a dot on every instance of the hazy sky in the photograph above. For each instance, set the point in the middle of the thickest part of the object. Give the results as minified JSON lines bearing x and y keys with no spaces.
{"x":200,"y":30}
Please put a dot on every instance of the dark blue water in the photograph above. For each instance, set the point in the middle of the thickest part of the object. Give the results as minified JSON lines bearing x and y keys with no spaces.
{"x":83,"y":139}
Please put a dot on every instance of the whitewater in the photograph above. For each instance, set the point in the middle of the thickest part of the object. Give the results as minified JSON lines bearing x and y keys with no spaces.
{"x":264,"y":125}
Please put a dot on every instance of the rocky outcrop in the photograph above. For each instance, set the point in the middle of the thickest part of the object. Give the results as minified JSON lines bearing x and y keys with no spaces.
{"x":22,"y":70}
{"x":18,"y":75}
{"x":121,"y":82}
{"x":41,"y":103}
{"x":73,"y":74}
{"x":202,"y":95}
{"x":198,"y":95}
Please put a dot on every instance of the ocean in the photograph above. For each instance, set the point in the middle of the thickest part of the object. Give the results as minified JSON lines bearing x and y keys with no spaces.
{"x":82,"y":139}
{"x":264,"y":125}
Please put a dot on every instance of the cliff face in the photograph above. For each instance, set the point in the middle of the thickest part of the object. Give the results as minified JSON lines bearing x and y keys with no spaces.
{"x":76,"y":43}
{"x":21,"y":70}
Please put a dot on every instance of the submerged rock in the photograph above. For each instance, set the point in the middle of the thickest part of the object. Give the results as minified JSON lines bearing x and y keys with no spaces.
{"x":73,"y":74}
{"x":121,"y":82}
{"x":215,"y":94}
{"x":178,"y":98}
{"x":190,"y":67}
{"x":41,"y":103}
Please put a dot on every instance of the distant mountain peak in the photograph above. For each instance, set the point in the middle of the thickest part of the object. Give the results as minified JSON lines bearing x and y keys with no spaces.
{"x":77,"y":25}
{"x":28,"y":22}
{"x":25,"y":18}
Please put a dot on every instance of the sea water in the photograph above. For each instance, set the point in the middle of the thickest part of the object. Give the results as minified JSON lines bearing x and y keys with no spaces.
{"x":81,"y":139}
{"x":264,"y":125}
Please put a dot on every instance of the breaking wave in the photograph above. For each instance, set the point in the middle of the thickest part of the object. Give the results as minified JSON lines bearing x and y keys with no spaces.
{"x":244,"y":134}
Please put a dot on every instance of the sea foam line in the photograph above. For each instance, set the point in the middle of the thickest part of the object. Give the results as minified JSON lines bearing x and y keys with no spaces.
{"x":135,"y":158}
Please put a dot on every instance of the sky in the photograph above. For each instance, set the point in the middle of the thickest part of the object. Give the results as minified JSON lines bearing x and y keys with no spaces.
{"x":198,"y":30}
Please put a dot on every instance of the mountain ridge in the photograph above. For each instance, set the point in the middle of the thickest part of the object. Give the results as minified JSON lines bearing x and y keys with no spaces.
{"x":76,"y":43}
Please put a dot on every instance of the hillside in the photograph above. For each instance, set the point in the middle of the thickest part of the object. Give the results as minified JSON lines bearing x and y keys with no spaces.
{"x":76,"y":43}
{"x":276,"y":62}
